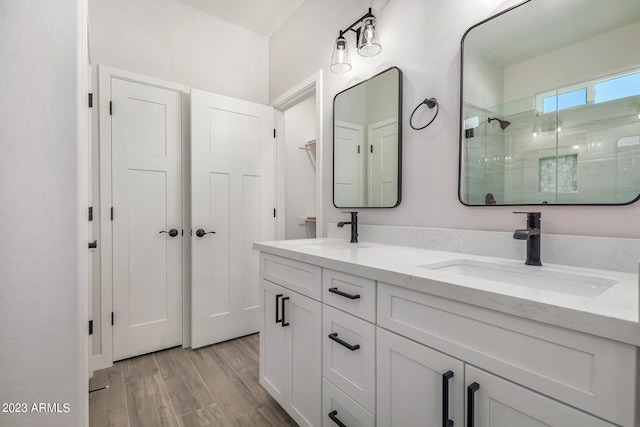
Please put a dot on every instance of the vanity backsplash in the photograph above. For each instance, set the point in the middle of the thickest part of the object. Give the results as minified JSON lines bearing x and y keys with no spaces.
{"x":604,"y":253}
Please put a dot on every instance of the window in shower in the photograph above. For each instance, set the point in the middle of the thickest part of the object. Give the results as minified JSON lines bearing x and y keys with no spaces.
{"x":564,"y":100}
{"x":605,"y":89}
{"x":617,"y":88}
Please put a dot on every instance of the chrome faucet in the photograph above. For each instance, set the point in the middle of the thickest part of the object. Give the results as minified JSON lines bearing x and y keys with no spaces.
{"x":354,"y":226}
{"x":532,"y":235}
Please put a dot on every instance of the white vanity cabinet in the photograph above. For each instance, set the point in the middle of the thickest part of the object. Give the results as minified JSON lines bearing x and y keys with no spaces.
{"x":290,"y":337}
{"x":349,"y":349}
{"x":559,"y":365}
{"x":420,"y":386}
{"x":369,"y":353}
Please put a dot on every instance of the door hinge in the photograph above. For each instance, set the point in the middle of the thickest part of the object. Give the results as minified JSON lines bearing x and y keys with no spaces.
{"x":274,"y":212}
{"x":371,"y":148}
{"x":111,"y":213}
{"x":274,"y":133}
{"x":111,"y":108}
{"x":91,"y":213}
{"x":358,"y":149}
{"x":112,"y":318}
{"x":93,"y":244}
{"x":90,"y":100}
{"x":90,"y":327}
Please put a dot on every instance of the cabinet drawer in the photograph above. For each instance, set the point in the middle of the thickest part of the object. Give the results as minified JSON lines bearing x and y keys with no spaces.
{"x":349,"y":351}
{"x":301,"y":277}
{"x":581,"y":370}
{"x":342,"y":407}
{"x":353,"y":294}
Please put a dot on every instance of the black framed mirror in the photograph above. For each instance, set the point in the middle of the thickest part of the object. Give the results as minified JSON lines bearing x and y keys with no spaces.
{"x":550,"y":105}
{"x":367,"y":143}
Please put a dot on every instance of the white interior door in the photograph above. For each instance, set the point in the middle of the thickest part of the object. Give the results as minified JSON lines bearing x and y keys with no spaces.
{"x":349,"y":167}
{"x":233,"y":199}
{"x":146,"y":195}
{"x":383,"y":164}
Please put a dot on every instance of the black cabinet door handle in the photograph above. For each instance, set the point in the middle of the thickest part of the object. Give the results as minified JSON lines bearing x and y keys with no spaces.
{"x":200,"y":232}
{"x":277,"y":308}
{"x":470,"y":403}
{"x":343,"y":294}
{"x":334,"y":337}
{"x":334,"y":417}
{"x":284,"y":323}
{"x":173,"y":232}
{"x":446,"y":422}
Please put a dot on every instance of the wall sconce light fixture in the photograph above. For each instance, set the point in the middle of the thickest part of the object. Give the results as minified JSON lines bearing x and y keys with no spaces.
{"x":366,"y":38}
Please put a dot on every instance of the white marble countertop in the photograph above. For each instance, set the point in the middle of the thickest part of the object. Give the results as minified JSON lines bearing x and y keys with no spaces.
{"x":613,"y":314}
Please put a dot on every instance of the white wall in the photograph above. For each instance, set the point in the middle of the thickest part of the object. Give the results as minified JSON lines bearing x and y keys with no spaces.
{"x":40,"y":320}
{"x":170,"y":40}
{"x":300,"y":176}
{"x":423,"y":39}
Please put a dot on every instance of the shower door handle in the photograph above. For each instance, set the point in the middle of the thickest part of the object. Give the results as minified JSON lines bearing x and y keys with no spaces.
{"x":173,"y":232}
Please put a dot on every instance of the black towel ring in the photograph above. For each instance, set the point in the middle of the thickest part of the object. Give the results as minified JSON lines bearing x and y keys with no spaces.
{"x":430,"y":103}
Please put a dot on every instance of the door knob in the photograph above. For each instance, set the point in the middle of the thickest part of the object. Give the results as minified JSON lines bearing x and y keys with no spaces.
{"x":200,"y":232}
{"x":173,"y":232}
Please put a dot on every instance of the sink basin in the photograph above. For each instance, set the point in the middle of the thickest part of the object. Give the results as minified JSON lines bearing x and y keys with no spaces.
{"x":528,"y":276}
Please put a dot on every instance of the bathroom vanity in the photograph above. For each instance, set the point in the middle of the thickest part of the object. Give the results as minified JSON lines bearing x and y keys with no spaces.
{"x":371,"y":334}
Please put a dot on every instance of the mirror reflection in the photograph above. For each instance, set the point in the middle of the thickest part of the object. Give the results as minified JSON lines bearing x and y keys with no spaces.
{"x":367,"y":127}
{"x":550,"y":110}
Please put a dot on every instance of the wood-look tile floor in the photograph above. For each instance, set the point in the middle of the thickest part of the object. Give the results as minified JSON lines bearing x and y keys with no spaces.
{"x":211,"y":386}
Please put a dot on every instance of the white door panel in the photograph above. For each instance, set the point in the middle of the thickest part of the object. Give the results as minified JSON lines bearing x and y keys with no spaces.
{"x":383,"y":170}
{"x":232,"y":179}
{"x":349,"y":151}
{"x":146,"y":195}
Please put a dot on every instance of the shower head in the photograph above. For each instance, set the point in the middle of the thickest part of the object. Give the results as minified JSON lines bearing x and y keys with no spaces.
{"x":503,"y":123}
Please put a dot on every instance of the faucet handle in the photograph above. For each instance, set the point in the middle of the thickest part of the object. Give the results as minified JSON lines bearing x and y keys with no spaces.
{"x":537,"y":215}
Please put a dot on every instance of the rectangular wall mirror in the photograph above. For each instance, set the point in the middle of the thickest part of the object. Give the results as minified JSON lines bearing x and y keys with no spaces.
{"x":367,"y":143}
{"x":550,"y":105}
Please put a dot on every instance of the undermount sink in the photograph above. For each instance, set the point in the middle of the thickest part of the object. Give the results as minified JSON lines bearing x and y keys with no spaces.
{"x":527,"y":276}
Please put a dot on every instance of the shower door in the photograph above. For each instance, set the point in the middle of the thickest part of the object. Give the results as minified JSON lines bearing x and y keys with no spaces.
{"x":232,"y":205}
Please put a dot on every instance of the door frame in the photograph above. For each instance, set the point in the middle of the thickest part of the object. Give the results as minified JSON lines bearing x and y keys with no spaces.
{"x":105,"y":73}
{"x":307,"y":87}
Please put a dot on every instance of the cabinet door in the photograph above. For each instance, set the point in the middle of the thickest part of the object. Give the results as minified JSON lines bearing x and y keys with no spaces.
{"x":273,"y":373}
{"x":303,"y":319}
{"x":500,"y":403}
{"x":410,"y":384}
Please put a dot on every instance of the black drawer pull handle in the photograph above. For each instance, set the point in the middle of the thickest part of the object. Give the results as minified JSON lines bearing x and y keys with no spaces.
{"x":343,"y":294}
{"x":334,"y":417}
{"x":470,"y":403}
{"x":446,"y":422}
{"x":277,"y":308}
{"x":283,"y":316}
{"x":334,"y":337}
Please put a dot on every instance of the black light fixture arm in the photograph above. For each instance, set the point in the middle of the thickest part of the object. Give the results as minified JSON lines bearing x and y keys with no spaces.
{"x":369,"y":14}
